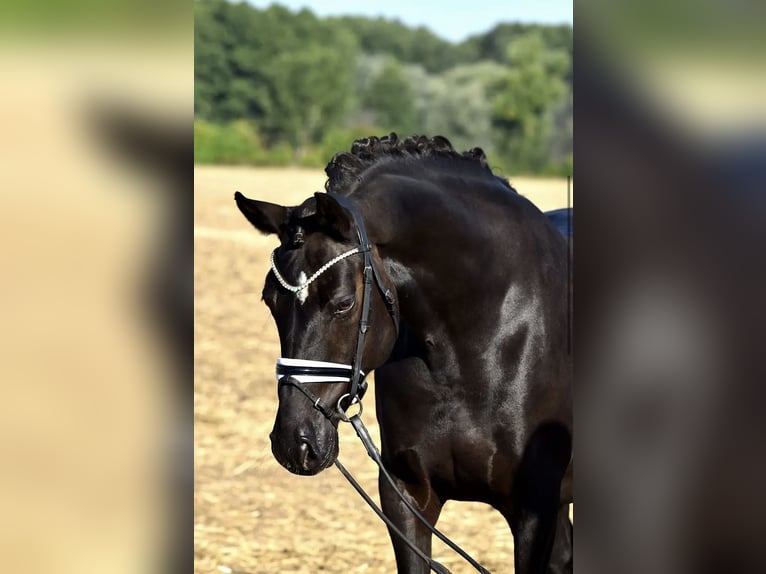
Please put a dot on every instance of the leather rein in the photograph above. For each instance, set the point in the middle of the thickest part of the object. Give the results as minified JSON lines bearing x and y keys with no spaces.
{"x":299,"y":372}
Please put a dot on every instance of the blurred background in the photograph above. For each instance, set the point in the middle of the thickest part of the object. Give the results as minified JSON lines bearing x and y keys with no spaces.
{"x":669,"y":283}
{"x":96,"y":112}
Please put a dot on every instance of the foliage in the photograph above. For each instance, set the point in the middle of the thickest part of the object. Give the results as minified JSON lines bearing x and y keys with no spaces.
{"x":409,"y":45}
{"x":274,"y":86}
{"x":291,"y":73}
{"x":525,"y":98}
{"x":457,"y":103}
{"x":238,"y":142}
{"x":390,"y":96}
{"x":493,"y":45}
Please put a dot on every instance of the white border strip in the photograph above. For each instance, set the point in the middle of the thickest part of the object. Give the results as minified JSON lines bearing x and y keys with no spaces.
{"x":288,"y":362}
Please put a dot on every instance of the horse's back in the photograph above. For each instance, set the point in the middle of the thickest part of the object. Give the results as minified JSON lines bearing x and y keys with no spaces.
{"x":563,"y":220}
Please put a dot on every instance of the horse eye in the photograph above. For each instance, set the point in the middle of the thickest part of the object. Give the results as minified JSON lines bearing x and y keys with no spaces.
{"x":344,"y":306}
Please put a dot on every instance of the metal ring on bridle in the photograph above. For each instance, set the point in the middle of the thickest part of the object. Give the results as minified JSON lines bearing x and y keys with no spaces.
{"x":341,"y":411}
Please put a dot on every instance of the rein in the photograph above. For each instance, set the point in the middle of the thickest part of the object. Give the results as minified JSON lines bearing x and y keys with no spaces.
{"x":374,"y":454}
{"x":300,"y":372}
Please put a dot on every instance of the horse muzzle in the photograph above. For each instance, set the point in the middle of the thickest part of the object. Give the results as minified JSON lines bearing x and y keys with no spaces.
{"x":301,"y":443}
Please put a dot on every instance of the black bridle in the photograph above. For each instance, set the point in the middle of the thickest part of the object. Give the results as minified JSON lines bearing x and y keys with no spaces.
{"x":357,"y":386}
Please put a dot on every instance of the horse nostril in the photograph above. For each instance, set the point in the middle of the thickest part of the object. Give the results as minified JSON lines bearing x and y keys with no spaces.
{"x":305,"y":443}
{"x":306,"y":451}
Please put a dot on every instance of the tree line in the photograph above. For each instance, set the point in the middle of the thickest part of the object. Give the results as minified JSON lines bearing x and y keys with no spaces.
{"x":275,"y":87}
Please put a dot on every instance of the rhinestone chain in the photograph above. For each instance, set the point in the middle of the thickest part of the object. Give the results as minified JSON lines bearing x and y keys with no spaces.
{"x":310,"y":280}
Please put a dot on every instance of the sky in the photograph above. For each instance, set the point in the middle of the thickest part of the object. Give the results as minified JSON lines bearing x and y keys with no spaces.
{"x":453,"y":21}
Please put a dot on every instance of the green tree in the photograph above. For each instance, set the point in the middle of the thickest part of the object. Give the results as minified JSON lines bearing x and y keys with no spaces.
{"x":407,"y":45}
{"x":524,"y":101}
{"x":455,"y":104}
{"x":311,"y":93}
{"x":211,"y":67}
{"x":390,"y":97}
{"x":272,"y":85}
{"x":291,"y":73}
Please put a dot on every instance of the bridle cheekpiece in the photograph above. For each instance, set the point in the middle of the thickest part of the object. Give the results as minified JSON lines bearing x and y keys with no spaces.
{"x":301,"y":372}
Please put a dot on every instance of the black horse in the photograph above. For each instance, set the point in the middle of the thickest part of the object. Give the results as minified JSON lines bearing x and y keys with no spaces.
{"x":473,"y":376}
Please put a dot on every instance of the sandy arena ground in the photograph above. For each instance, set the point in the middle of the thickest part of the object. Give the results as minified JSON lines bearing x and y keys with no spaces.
{"x":251,"y":515}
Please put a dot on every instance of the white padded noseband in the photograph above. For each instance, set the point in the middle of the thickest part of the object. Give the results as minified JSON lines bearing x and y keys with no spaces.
{"x":318,"y":366}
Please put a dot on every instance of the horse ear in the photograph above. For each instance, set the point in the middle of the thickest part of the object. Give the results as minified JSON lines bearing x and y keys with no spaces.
{"x":332,"y":216}
{"x":266,"y":217}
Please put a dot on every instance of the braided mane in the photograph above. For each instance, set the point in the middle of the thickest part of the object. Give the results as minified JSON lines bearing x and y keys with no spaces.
{"x":347,"y":168}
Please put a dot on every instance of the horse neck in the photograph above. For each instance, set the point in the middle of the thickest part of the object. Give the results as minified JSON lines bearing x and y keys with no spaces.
{"x":435,"y":254}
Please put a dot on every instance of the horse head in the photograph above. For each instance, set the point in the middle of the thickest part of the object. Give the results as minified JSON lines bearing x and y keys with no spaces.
{"x":315,"y":292}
